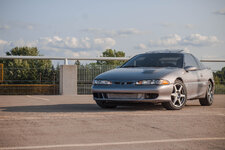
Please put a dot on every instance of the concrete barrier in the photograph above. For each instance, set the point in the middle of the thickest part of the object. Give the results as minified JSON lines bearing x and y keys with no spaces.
{"x":68,"y":80}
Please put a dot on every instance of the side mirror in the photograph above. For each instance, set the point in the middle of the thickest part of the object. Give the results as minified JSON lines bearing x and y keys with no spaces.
{"x":190,"y":68}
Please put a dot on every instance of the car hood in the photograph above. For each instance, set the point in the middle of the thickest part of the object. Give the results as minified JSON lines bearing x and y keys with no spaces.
{"x":133,"y":74}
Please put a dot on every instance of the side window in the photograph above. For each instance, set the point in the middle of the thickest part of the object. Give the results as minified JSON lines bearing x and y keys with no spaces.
{"x":139,"y":61}
{"x":199,"y":63}
{"x":190,"y":61}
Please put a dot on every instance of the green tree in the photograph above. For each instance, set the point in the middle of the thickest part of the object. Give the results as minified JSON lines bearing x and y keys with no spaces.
{"x":27,"y":71}
{"x":111,"y":53}
{"x":77,"y":62}
{"x":216,"y":79}
{"x":219,"y":76}
{"x":23,"y":51}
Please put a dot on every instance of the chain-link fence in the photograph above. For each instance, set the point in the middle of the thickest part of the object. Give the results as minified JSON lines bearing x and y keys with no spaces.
{"x":220,"y":88}
{"x":29,"y":81}
{"x":86,"y":75}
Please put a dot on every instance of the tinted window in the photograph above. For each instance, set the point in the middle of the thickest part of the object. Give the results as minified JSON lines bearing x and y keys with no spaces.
{"x":156,"y":60}
{"x":189,"y":60}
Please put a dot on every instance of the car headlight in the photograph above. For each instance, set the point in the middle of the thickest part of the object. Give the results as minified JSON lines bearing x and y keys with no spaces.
{"x":102,"y":82}
{"x":150,"y":82}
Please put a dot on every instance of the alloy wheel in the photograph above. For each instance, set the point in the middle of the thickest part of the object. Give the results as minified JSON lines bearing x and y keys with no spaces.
{"x":178,"y":95}
{"x":210,"y":93}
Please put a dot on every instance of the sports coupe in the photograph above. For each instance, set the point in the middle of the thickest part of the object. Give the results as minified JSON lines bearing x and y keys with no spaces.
{"x":167,"y":77}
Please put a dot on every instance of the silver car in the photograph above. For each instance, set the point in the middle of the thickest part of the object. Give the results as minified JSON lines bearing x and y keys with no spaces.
{"x":167,"y":77}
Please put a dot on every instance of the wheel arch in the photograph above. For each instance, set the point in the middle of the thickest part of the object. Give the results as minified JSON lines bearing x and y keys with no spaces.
{"x":179,"y":78}
{"x":213,"y":83}
{"x":210,"y":80}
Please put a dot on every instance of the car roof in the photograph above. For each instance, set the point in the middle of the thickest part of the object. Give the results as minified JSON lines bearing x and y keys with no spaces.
{"x":167,"y":51}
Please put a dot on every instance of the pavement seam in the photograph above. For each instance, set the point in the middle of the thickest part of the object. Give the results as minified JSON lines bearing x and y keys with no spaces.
{"x":39,"y":98}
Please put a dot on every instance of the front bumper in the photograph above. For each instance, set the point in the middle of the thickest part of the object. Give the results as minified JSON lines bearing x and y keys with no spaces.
{"x":144,"y":93}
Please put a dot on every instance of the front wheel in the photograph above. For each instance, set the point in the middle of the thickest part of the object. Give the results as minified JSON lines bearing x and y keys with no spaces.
{"x":208,"y":99}
{"x":105,"y":104}
{"x":178,"y":97}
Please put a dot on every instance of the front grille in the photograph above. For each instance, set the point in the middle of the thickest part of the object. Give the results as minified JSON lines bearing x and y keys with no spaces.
{"x":125,"y":95}
{"x":151,"y":96}
{"x":123,"y":83}
{"x":118,"y":95}
{"x":100,"y":95}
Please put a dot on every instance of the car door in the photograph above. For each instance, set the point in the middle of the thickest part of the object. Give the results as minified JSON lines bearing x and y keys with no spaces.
{"x":192,"y":78}
{"x":203,"y":81}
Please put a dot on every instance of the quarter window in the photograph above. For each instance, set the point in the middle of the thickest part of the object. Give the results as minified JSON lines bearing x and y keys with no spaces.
{"x":201,"y":66}
{"x":190,"y":61}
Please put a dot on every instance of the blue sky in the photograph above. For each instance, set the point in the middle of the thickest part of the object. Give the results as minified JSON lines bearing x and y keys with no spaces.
{"x":85,"y":28}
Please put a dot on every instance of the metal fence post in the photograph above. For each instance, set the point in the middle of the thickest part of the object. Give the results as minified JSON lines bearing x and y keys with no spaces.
{"x":65,"y":61}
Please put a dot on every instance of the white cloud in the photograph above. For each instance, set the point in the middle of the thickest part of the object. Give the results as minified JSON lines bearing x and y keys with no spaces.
{"x":100,"y":32}
{"x":30,"y":27}
{"x":104,"y":42}
{"x":174,"y":40}
{"x":199,"y":40}
{"x":2,"y":42}
{"x":189,"y":26}
{"x":220,"y":12}
{"x":113,"y":33}
{"x":71,"y":42}
{"x":74,"y":47}
{"x":3,"y":45}
{"x":69,"y":53}
{"x":187,"y":50}
{"x":21,"y":43}
{"x":23,"y":25}
{"x":58,"y":42}
{"x":58,"y":46}
{"x":85,"y":43}
{"x":75,"y":43}
{"x":17,"y":25}
{"x":141,"y":46}
{"x":129,"y":31}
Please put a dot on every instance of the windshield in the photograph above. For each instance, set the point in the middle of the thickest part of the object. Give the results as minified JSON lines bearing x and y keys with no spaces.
{"x":156,"y":60}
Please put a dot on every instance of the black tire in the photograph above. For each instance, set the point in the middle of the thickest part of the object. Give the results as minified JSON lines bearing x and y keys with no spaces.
{"x":208,"y":99}
{"x":178,"y":97}
{"x":105,"y":104}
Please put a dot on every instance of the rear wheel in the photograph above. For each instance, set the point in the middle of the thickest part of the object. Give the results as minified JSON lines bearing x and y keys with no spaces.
{"x":178,"y":97}
{"x":208,"y":99}
{"x":105,"y":104}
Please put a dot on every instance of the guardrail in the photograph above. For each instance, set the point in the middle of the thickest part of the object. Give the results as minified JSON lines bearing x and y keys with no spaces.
{"x":63,"y":58}
{"x":86,"y":58}
{"x":212,"y":60}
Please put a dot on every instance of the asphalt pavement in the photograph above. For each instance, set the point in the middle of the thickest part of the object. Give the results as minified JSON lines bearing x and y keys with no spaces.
{"x":76,"y":122}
